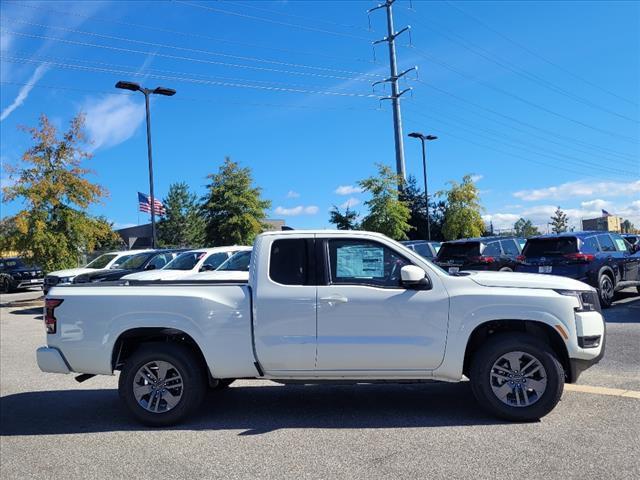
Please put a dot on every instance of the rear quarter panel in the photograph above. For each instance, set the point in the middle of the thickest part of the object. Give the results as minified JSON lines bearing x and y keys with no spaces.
{"x":217,"y":317}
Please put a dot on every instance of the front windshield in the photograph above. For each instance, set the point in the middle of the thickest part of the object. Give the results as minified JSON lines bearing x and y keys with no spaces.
{"x":136,"y":261}
{"x":238,"y":262}
{"x":185,"y":261}
{"x":102,"y":261}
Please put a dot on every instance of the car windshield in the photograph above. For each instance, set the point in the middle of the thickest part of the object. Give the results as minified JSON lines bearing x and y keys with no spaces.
{"x":14,"y":263}
{"x":102,"y":261}
{"x":459,"y":250}
{"x":136,"y":261}
{"x":549,"y":247}
{"x":237,"y":262}
{"x":185,"y":261}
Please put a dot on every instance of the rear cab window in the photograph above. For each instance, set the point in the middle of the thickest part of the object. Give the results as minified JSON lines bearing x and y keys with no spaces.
{"x":289,"y":262}
{"x":550,"y":247}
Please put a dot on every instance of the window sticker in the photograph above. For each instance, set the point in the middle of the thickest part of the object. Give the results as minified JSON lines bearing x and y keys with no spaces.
{"x":621,"y":245}
{"x":360,"y":262}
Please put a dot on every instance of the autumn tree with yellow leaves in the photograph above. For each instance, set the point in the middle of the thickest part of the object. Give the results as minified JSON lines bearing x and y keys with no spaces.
{"x":54,"y":228}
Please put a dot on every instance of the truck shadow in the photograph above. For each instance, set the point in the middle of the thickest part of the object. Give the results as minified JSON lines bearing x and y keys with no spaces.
{"x":254,"y":410}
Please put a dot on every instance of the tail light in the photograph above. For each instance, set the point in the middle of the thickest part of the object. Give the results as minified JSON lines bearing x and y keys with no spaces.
{"x":50,"y":304}
{"x":580,"y":257}
{"x":521,"y":258}
{"x":483,"y":259}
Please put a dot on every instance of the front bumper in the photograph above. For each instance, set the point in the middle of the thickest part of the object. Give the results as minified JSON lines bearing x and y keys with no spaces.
{"x":32,"y":282}
{"x":50,"y":360}
{"x":589,"y":324}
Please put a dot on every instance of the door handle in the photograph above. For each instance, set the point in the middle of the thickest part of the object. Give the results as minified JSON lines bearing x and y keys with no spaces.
{"x":334,"y":299}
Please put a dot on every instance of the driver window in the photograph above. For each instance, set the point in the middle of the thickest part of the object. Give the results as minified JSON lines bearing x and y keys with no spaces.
{"x":362,"y":262}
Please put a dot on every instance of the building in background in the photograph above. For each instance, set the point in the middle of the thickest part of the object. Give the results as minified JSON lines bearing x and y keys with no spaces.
{"x":606,"y":223}
{"x":139,"y":236}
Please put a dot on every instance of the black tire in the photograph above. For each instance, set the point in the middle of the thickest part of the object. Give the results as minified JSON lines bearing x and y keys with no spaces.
{"x":5,"y":285}
{"x":481,"y":379}
{"x":606,"y":290}
{"x":223,"y":383}
{"x":187,"y":365}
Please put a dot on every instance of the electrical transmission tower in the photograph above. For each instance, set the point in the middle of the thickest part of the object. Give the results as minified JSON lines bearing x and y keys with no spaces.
{"x":393,"y":80}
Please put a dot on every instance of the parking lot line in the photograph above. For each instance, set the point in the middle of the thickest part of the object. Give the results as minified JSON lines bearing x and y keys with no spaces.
{"x":615,"y":392}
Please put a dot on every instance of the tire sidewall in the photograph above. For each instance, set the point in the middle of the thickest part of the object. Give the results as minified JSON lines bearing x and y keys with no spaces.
{"x":192,"y":378}
{"x":480,"y":377}
{"x":605,"y":301}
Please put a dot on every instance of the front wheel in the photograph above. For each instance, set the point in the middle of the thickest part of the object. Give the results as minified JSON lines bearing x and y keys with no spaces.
{"x":516,"y":377}
{"x":606,"y":290}
{"x":162,"y":383}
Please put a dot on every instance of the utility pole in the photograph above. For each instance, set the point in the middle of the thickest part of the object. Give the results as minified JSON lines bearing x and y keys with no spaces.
{"x":395,"y":90}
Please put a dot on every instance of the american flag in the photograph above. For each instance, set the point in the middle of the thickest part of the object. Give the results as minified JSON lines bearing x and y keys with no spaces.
{"x":144,"y":204}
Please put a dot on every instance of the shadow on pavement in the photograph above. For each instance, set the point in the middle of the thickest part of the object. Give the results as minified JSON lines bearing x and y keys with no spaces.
{"x":254,"y":409}
{"x":28,"y":311}
{"x":626,"y":309}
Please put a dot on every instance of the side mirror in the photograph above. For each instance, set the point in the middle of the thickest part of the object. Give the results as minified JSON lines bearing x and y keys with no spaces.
{"x":151,"y":266}
{"x":635,"y":248}
{"x":206,"y":268}
{"x":414,"y":277}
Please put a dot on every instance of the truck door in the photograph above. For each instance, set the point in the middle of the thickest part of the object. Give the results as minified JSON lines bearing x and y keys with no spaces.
{"x":285,"y":305}
{"x":367,"y":321}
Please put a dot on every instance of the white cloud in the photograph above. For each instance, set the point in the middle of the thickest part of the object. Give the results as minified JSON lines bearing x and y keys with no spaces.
{"x":295,"y":211}
{"x":580,"y":189}
{"x":350,"y":203}
{"x":112,"y":120}
{"x":598,"y":203}
{"x":24,"y":91}
{"x":476,"y":178}
{"x":292,"y":194}
{"x":347,"y":190}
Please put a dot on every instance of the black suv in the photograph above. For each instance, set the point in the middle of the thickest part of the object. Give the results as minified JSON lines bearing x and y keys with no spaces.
{"x":424,"y":248}
{"x":603,"y":260}
{"x":15,"y":274}
{"x":484,"y":253}
{"x":152,"y":260}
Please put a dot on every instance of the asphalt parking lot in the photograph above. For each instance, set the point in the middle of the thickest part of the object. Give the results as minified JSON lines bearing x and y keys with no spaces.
{"x":53,"y":427}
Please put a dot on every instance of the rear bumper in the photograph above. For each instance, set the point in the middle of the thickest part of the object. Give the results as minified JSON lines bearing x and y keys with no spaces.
{"x":50,"y":360}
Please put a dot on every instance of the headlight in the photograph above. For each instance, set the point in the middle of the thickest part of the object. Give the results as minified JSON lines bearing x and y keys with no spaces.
{"x":65,"y":279}
{"x":588,"y":299}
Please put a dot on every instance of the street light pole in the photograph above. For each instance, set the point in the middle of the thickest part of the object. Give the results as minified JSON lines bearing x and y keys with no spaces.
{"x":422,"y":139}
{"x":134,"y":87}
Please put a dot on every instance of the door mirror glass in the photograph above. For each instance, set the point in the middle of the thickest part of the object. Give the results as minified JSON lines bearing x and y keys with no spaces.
{"x":413,"y":276}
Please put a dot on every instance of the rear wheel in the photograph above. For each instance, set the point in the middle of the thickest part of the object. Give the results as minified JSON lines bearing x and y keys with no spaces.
{"x":162,"y":383}
{"x":606,"y":290}
{"x":516,"y":377}
{"x":5,"y":286}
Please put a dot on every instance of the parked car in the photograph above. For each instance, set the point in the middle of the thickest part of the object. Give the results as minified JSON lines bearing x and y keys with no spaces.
{"x":235,"y":268}
{"x":15,"y":273}
{"x":603,"y":260}
{"x":106,"y":260}
{"x":484,"y":253}
{"x":151,"y":260}
{"x":188,"y":263}
{"x":428,"y":250}
{"x":325,"y":306}
{"x":632,"y":238}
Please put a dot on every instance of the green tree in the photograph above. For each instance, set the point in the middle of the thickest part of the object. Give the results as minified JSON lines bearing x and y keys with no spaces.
{"x":344,"y":221}
{"x":525,"y":228}
{"x":233,"y":209}
{"x":183,"y":224}
{"x":462,"y":215}
{"x":414,"y":197}
{"x":559,"y":221}
{"x":53,"y":228}
{"x":387,"y":213}
{"x":627,"y":227}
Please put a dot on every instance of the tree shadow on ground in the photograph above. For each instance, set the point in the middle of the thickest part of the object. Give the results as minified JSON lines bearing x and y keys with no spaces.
{"x":254,"y":410}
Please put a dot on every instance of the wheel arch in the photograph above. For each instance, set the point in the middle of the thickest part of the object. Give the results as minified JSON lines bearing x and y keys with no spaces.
{"x":534,"y":328}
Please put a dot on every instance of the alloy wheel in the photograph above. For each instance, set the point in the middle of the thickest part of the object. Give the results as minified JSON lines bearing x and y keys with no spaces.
{"x":518,"y":379}
{"x":158,"y":386}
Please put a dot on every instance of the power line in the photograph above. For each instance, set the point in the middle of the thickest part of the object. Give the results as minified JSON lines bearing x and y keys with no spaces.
{"x":94,"y":18}
{"x":193,"y":99}
{"x":519,"y":98}
{"x":183,"y":79}
{"x":510,"y":66}
{"x":536,"y":128}
{"x":539,"y":56}
{"x":269,"y":20}
{"x":176,"y":57}
{"x":535,"y":149}
{"x":196,"y":50}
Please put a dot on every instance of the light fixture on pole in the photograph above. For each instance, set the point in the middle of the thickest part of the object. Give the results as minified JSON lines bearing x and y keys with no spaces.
{"x":422,"y":139}
{"x":169,"y":92}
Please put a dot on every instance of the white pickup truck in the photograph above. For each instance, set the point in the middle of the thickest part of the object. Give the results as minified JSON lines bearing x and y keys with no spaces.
{"x":324,"y":306}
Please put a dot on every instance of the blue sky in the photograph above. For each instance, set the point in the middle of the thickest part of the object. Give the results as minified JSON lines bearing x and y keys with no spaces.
{"x":538,"y":99}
